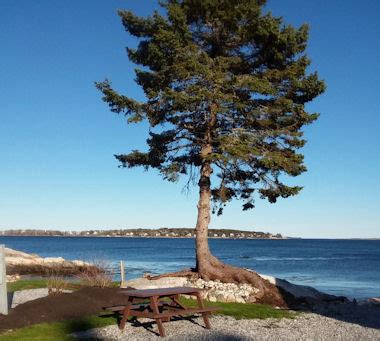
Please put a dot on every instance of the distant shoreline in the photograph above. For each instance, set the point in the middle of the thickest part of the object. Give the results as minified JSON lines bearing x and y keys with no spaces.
{"x":143,"y":233}
{"x":184,"y":237}
{"x":148,"y":237}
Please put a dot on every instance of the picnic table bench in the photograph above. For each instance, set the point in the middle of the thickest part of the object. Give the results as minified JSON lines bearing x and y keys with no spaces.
{"x":163,"y":303}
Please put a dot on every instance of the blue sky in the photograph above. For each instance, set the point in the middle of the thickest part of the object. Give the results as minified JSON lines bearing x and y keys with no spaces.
{"x":57,"y":138}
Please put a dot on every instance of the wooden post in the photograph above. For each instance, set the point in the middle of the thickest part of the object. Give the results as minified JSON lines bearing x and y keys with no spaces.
{"x":122,"y":273}
{"x":3,"y":283}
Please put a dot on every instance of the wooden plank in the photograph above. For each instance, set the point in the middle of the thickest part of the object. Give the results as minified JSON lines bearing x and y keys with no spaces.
{"x":189,"y":311}
{"x":177,"y":312}
{"x":117,"y":308}
{"x":147,"y":293}
{"x":3,"y":283}
{"x":134,"y":306}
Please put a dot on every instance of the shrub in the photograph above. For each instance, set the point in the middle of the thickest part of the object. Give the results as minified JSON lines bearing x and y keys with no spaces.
{"x":96,"y":275}
{"x":55,"y":283}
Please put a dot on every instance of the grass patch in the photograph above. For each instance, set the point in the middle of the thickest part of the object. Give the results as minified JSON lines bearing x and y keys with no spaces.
{"x":243,"y":310}
{"x":61,"y":330}
{"x":58,"y":330}
{"x":24,"y":284}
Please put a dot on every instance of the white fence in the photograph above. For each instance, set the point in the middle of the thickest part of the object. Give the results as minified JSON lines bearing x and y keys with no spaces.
{"x":3,"y":283}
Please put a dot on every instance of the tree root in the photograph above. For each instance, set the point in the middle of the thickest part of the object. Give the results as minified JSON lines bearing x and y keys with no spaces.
{"x":191,"y":273}
{"x":213,"y":269}
{"x":216,"y":270}
{"x":267,"y":292}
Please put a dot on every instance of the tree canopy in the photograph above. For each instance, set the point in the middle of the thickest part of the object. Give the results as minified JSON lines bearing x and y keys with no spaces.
{"x":225,"y":84}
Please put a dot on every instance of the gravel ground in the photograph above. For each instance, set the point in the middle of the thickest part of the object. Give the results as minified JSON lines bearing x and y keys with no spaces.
{"x":22,"y":296}
{"x":306,"y":326}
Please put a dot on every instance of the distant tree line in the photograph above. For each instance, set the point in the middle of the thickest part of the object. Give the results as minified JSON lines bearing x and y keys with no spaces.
{"x":149,"y":233}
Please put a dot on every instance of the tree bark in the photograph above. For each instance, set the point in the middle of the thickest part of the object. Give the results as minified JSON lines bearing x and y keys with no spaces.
{"x":203,"y":220}
{"x":203,"y":255}
{"x":208,"y":266}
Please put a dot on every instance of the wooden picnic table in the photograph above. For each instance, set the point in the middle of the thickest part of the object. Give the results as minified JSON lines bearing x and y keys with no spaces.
{"x":163,"y":303}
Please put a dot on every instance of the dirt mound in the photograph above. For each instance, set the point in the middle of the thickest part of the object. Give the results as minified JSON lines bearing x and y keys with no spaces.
{"x":86,"y":301}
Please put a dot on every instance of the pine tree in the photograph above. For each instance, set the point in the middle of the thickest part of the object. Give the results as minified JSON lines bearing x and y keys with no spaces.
{"x":226,"y":87}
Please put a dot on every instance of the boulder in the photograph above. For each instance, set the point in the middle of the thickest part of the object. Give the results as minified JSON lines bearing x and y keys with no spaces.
{"x":302,"y":291}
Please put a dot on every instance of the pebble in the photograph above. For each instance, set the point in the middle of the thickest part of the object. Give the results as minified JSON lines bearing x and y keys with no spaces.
{"x":307,"y":326}
{"x":22,"y":296}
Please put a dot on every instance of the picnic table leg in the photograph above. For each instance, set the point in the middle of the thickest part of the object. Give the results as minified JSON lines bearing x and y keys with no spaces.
{"x":154,"y":306}
{"x":126,"y":313}
{"x":204,"y":315}
{"x":177,"y":301}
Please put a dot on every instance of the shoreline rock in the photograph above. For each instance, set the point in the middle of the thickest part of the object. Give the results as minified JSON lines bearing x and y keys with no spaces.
{"x":239,"y":293}
{"x":22,"y":263}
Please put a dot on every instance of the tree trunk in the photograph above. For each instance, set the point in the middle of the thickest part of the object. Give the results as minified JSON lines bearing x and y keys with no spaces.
{"x":203,"y":255}
{"x":202,"y":249}
{"x":208,"y":266}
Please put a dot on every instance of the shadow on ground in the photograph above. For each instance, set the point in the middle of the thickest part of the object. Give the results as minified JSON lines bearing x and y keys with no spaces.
{"x":82,"y":326}
{"x":71,"y":308}
{"x":92,"y":334}
{"x":340,"y":308}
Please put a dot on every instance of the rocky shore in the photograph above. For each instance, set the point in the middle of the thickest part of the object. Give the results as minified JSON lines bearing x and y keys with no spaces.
{"x":320,"y":316}
{"x":239,"y":293}
{"x":22,"y":263}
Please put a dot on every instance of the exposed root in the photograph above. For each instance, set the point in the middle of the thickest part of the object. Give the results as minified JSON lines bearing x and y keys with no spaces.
{"x":213,"y":269}
{"x":191,"y":273}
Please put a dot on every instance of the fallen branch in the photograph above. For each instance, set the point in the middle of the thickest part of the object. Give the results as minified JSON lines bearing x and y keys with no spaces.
{"x":183,"y":273}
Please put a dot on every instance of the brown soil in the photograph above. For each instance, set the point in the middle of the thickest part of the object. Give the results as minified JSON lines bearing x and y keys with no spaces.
{"x":86,"y":301}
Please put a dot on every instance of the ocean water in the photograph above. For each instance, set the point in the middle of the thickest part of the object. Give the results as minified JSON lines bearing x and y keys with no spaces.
{"x":340,"y":267}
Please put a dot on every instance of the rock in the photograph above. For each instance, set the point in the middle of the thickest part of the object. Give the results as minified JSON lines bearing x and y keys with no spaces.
{"x":240,"y":300}
{"x":79,"y":262}
{"x":21,"y":262}
{"x":219,"y":297}
{"x":232,"y":292}
{"x":165,"y":282}
{"x":13,"y":278}
{"x":301,"y":291}
{"x":374,"y":300}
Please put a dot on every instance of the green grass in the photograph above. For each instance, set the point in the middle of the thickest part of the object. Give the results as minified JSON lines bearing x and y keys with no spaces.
{"x":58,"y":330}
{"x":242,"y":310}
{"x":23,"y":284}
{"x":61,"y":330}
